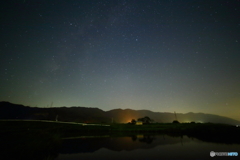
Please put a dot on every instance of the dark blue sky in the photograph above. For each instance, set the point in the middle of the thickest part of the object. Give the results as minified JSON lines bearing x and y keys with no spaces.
{"x":168,"y":55}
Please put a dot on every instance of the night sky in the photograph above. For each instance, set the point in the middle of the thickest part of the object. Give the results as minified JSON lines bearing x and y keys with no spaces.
{"x":159,"y":55}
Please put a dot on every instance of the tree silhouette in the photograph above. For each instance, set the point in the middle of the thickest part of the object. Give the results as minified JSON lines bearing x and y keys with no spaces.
{"x":175,"y":121}
{"x":133,"y":121}
{"x":145,"y":120}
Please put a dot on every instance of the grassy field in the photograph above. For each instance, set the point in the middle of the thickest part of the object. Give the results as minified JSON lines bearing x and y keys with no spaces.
{"x":26,"y":139}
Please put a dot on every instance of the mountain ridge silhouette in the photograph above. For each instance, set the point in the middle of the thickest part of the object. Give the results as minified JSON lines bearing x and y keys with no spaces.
{"x":95,"y":115}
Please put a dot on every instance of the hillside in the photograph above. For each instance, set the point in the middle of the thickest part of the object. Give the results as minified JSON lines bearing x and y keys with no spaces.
{"x":96,"y":115}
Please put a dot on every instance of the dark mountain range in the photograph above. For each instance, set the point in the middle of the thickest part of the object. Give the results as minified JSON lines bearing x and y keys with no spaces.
{"x":165,"y":117}
{"x":95,"y":115}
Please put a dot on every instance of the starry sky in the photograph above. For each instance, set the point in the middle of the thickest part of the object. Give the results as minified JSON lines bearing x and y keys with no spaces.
{"x":160,"y":55}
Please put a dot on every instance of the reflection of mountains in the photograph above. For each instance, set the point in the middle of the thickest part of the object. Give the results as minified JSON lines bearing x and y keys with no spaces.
{"x":86,"y":145}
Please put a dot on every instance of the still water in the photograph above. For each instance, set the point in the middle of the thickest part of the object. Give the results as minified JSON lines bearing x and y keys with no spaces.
{"x":142,"y":147}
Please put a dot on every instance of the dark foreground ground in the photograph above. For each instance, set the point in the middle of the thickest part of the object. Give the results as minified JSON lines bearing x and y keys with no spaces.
{"x":26,"y":139}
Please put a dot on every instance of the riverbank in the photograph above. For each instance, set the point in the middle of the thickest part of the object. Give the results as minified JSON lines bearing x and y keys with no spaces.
{"x":70,"y":129}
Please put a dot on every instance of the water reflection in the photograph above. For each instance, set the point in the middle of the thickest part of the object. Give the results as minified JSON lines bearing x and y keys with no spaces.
{"x":140,"y":147}
{"x":128,"y":143}
{"x":143,"y":138}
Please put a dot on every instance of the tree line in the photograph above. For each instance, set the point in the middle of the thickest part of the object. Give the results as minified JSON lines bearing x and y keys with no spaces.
{"x":144,"y":120}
